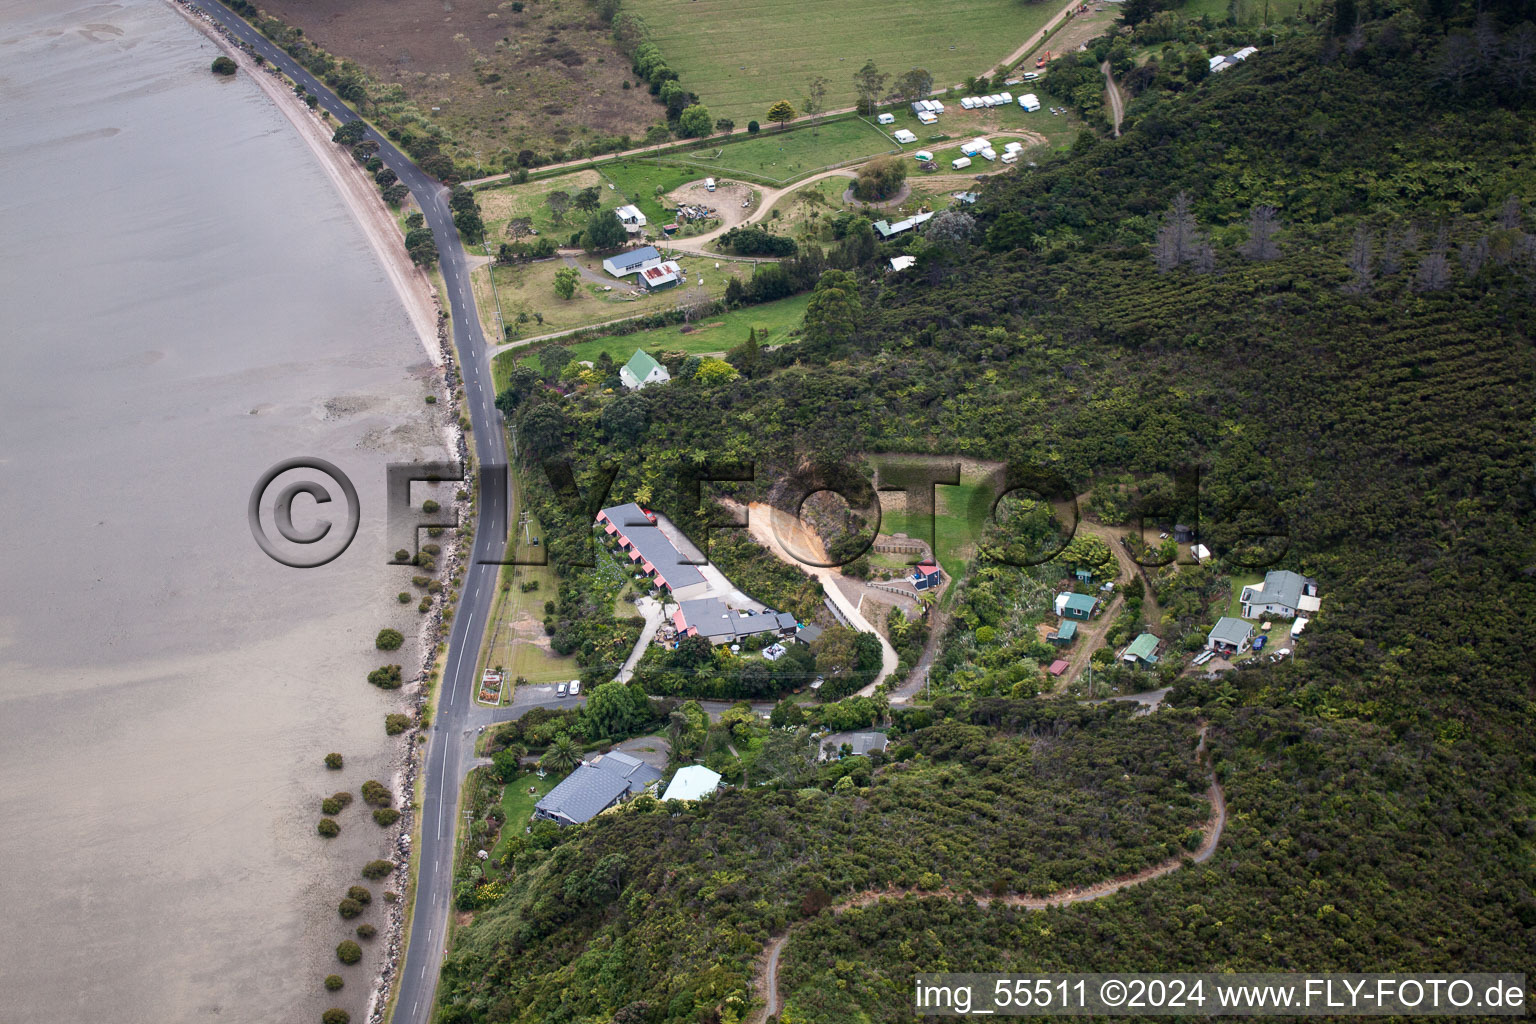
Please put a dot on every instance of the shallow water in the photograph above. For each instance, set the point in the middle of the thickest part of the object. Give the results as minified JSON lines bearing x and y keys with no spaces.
{"x":184,"y":301}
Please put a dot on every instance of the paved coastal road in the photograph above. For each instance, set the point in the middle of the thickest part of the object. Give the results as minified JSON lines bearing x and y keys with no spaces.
{"x":450,"y":751}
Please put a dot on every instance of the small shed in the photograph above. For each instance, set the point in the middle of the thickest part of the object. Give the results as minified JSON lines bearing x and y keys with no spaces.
{"x":1059,"y":667}
{"x":926,"y":576}
{"x":1065,"y":633}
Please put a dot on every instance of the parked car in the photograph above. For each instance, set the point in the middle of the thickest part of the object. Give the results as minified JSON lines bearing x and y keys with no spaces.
{"x":575,"y":687}
{"x":560,"y":690}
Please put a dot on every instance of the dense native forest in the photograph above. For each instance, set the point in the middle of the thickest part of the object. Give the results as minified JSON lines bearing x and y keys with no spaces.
{"x":1313,"y":277}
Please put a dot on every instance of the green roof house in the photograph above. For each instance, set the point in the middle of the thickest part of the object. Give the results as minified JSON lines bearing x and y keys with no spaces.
{"x":642,"y":370}
{"x":1142,"y":652}
{"x":1076,"y":606}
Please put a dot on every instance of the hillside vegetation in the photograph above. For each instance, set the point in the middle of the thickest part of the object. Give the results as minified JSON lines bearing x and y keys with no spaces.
{"x":1315,"y":277}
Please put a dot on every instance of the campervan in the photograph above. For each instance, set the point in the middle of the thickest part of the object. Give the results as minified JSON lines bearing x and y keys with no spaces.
{"x":960,"y":163}
{"x":709,"y":184}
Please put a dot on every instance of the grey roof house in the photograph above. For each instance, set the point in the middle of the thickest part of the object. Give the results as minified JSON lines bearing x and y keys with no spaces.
{"x":719,"y":623}
{"x":1229,"y":635}
{"x":1283,"y":593}
{"x":637,"y":533}
{"x":595,"y":786}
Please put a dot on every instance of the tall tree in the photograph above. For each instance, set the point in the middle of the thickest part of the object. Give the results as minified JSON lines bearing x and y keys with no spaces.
{"x":816,"y":96}
{"x":1180,"y":241}
{"x":914,"y":85}
{"x":870,"y":83}
{"x":833,"y":312}
{"x":783,"y":112}
{"x":1261,"y":243}
{"x":559,"y":201}
{"x":588,"y":199}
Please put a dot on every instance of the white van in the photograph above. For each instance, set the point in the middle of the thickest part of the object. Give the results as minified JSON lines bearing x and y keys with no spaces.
{"x":962,"y":162}
{"x":709,"y":184}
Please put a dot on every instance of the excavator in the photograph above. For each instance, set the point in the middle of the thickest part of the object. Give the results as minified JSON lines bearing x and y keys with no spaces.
{"x":1043,"y":58}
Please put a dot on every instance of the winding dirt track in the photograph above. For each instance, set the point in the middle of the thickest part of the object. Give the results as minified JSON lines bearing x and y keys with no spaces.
{"x":766,"y":981}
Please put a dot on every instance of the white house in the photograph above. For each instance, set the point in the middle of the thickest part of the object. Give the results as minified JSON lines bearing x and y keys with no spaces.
{"x":902,"y":135}
{"x":642,"y":370}
{"x":886,"y":119}
{"x":631,"y":217}
{"x":632,"y":261}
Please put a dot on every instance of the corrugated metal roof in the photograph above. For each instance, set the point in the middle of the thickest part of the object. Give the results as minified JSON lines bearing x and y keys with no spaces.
{"x":653,"y":545}
{"x":582,"y":794}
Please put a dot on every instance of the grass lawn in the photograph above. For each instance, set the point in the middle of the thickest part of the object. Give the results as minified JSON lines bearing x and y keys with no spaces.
{"x":530,"y":287}
{"x":954,"y":530}
{"x":518,"y":804}
{"x":644,"y":182}
{"x":781,"y":156}
{"x":740,"y":60}
{"x":516,"y":642}
{"x":530,"y":199}
{"x":717,"y":334}
{"x":1235,"y":607}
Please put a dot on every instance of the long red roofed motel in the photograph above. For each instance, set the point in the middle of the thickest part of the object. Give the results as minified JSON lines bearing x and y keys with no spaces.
{"x":652,"y":553}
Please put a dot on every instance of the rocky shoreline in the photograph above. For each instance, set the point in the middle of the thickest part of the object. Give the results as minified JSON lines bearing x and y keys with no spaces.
{"x":430,"y":636}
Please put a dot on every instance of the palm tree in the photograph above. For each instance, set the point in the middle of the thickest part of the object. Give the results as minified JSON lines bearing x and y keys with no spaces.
{"x":562,"y":756}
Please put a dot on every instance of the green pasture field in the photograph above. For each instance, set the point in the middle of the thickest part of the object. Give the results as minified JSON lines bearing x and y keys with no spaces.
{"x":781,"y":155}
{"x":773,"y":321}
{"x":742,"y":59}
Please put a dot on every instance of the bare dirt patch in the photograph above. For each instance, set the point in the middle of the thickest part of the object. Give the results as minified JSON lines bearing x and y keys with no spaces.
{"x":731,"y":201}
{"x":541,"y":78}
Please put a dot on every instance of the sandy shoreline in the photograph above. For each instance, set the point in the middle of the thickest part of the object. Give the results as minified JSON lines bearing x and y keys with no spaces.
{"x":353,"y":184}
{"x":419,"y":298}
